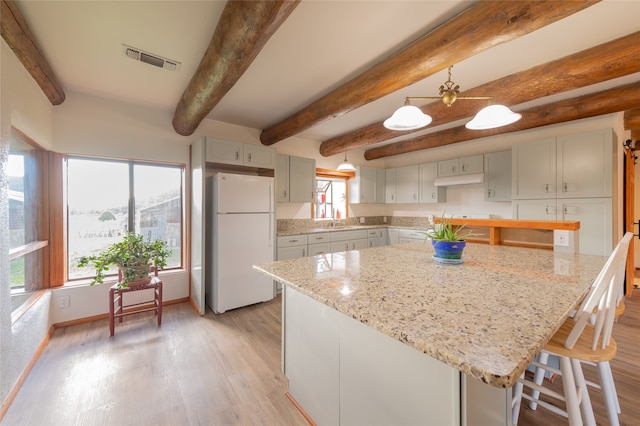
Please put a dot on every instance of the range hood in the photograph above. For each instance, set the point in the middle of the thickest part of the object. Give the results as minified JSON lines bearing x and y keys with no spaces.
{"x":459,"y":180}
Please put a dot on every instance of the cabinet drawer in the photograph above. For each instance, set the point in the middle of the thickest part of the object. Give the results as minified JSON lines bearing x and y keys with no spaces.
{"x":292,"y":240}
{"x":375,"y":233}
{"x":318,"y":249}
{"x":323,"y":237}
{"x":349,"y":235}
{"x":412,"y":234}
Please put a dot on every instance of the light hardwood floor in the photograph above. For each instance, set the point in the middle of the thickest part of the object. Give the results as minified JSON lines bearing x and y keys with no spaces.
{"x":215,"y":370}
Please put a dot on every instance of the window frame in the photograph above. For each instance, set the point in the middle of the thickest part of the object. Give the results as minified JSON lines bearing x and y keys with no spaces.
{"x":333,"y":174}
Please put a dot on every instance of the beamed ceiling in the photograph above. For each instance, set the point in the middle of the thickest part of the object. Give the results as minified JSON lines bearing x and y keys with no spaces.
{"x":332,"y":71}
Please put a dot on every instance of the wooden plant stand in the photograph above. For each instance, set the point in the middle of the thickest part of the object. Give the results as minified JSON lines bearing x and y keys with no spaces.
{"x":117,"y":308}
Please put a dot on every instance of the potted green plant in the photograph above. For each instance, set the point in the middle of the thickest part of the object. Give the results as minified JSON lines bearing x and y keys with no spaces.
{"x":448,"y":240}
{"x":134,"y":257}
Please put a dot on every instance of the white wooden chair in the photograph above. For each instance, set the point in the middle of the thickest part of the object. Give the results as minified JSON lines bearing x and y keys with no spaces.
{"x":585,"y":337}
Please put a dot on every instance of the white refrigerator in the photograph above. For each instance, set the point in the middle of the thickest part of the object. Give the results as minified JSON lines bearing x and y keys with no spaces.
{"x":243,"y":234}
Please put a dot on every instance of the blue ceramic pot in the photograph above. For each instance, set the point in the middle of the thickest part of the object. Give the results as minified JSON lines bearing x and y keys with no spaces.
{"x":448,"y":249}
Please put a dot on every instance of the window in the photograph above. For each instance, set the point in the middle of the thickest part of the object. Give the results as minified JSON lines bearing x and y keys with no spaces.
{"x":332,"y":195}
{"x":26,"y":239}
{"x":108,"y":198}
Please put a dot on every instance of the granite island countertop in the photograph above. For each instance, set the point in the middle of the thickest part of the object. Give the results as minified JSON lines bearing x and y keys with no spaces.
{"x":487,"y":317}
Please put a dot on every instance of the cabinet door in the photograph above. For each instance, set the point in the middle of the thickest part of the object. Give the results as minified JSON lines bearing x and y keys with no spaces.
{"x":585,"y":164}
{"x":225,"y":152}
{"x":408,"y":184}
{"x":428,"y":192}
{"x":596,"y":223}
{"x":259,"y":156}
{"x":497,"y":176}
{"x":471,"y":164}
{"x":390,"y":186}
{"x":449,"y":167}
{"x":362,"y":189}
{"x":534,"y":169}
{"x":302,"y":179}
{"x":380,"y":185}
{"x":282,"y":179}
{"x":359,"y":244}
{"x":544,"y":209}
{"x":393,"y":236}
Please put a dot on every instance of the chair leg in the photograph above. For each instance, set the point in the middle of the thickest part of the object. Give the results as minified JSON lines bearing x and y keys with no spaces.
{"x":584,"y":400}
{"x":538,"y":378}
{"x":609,"y":392}
{"x":516,"y":401}
{"x":570,"y":393}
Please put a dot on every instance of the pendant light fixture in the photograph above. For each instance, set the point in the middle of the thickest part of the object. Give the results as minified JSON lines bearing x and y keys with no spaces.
{"x":409,"y":117}
{"x":346,"y":166}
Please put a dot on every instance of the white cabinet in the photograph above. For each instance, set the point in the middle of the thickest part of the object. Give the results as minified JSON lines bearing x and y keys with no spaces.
{"x":393,"y":234}
{"x":235,"y":153}
{"x":429,"y":193}
{"x":377,"y":237}
{"x":391,"y":190}
{"x":381,"y":185}
{"x":594,"y":214}
{"x":461,"y":166}
{"x":497,"y":176}
{"x":295,"y":179}
{"x":573,"y":166}
{"x":319,"y":243}
{"x":362,"y":188}
{"x":368,"y":186}
{"x":292,"y":247}
{"x":349,"y":240}
{"x":282,"y":179}
{"x":410,"y":235}
{"x":407,"y":179}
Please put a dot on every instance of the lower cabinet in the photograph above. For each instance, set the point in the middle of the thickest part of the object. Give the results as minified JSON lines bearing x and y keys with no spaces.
{"x":377,"y":237}
{"x":292,"y":247}
{"x":595,"y":216}
{"x":410,"y":235}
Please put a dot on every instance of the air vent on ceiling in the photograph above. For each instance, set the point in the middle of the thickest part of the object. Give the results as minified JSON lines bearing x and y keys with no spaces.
{"x":150,"y":58}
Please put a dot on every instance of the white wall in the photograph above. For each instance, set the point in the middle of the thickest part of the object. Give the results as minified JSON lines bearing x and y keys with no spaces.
{"x":24,"y":106}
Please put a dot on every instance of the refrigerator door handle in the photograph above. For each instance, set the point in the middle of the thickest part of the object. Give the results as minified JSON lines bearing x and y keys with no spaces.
{"x":271,"y":213}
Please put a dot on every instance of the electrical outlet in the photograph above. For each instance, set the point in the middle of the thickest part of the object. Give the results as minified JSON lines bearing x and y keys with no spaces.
{"x":362,"y":220}
{"x":384,"y":219}
{"x":561,"y":238}
{"x":64,"y":302}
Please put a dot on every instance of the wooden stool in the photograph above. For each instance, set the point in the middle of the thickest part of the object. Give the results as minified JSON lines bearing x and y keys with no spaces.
{"x":116,"y":306}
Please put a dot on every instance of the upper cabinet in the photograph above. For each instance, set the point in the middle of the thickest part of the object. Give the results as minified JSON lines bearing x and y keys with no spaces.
{"x":295,"y":179}
{"x":497,"y":176}
{"x":408,"y":184}
{"x":461,"y":166}
{"x":390,"y":185}
{"x":429,"y":193}
{"x":239,"y":154}
{"x":574,"y":166}
{"x":368,"y":186}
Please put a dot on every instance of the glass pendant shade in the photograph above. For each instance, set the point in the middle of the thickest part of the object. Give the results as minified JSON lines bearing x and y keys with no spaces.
{"x":346,"y":166}
{"x":493,"y":116}
{"x":408,"y":117}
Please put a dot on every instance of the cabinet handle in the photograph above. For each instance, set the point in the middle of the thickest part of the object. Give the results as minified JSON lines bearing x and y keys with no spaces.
{"x":370,"y":243}
{"x":564,"y":187}
{"x":304,"y":252}
{"x":237,"y":155}
{"x":464,"y":167}
{"x":353,"y":246}
{"x":546,"y":188}
{"x":285,"y":193}
{"x":392,"y":197}
{"x":293,"y":241}
{"x":415,"y":196}
{"x":433,"y":195}
{"x":249,"y":157}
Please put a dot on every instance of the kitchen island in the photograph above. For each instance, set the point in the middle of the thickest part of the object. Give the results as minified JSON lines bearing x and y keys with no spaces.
{"x":388,"y":335}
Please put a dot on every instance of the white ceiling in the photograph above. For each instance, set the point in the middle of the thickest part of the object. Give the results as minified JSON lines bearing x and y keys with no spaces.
{"x":321,"y":45}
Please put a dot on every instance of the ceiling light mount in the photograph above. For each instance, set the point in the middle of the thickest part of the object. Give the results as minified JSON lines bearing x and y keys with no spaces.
{"x":409,"y":117}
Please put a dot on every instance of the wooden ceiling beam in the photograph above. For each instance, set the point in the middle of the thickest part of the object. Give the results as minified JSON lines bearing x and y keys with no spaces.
{"x":632,"y":119}
{"x":16,"y":33}
{"x":242,"y":31}
{"x":482,"y":26}
{"x":610,"y":60}
{"x":605,"y":102}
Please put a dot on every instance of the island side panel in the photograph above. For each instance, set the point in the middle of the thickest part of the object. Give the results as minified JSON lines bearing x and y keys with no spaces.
{"x":385,"y":382}
{"x":311,"y":356}
{"x":483,"y":404}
